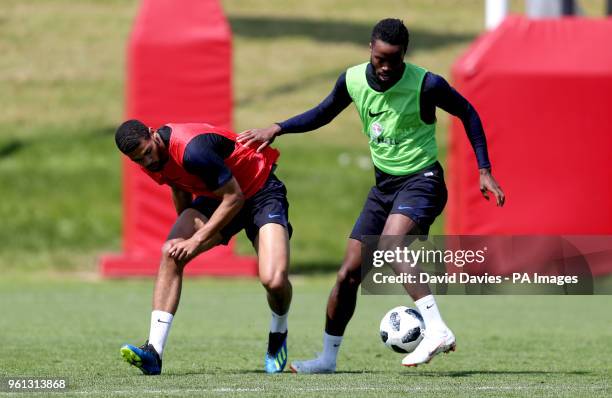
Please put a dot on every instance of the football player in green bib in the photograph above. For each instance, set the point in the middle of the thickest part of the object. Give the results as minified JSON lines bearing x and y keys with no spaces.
{"x":396,"y":102}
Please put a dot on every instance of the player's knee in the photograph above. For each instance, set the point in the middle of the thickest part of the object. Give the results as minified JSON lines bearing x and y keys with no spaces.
{"x":349,"y":277}
{"x":166,"y":257}
{"x":275,"y":281}
{"x":166,"y":250}
{"x":167,"y":260}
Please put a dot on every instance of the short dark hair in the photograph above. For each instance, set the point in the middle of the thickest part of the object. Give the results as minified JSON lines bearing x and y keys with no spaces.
{"x":129,"y":135}
{"x":392,"y":31}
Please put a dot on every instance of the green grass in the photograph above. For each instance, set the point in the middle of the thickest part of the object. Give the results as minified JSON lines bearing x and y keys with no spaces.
{"x":61,"y":89}
{"x":507,"y":346}
{"x":61,"y":86}
{"x":55,"y":208}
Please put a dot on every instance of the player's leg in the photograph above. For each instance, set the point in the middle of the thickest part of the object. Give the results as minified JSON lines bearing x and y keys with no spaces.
{"x":417,"y":204}
{"x":169,"y":280}
{"x":437,"y":336}
{"x":266,"y":224}
{"x":343,"y":297}
{"x":396,"y":233}
{"x":340,"y":309}
{"x":272,"y":245}
{"x":166,"y":296}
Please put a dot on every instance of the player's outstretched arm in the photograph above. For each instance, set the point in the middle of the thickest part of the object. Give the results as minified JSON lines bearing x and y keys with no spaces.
{"x":310,"y":120}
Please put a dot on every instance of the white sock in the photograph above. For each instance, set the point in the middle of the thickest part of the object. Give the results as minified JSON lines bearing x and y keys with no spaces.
{"x":278,"y":324}
{"x":331,"y":345}
{"x":429,"y":310}
{"x":160,"y":327}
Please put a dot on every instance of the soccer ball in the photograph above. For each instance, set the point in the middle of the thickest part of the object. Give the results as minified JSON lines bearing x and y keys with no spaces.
{"x":401,"y":329}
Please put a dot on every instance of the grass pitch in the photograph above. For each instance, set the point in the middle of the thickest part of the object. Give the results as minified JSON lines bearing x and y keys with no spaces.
{"x":61,"y":86}
{"x":507,"y":346}
{"x":62,"y":96}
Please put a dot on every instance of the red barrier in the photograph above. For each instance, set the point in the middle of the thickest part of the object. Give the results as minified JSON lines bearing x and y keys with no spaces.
{"x":179,"y":70}
{"x":544,"y":92}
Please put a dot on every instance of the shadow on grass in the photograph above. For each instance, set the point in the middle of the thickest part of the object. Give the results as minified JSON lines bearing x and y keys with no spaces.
{"x":315,"y":268}
{"x":453,"y":374}
{"x":259,"y":371}
{"x":103,"y":130}
{"x":330,"y":75}
{"x":13,"y":146}
{"x":330,"y":31}
{"x":10,"y":148}
{"x":333,"y":31}
{"x":469,"y":373}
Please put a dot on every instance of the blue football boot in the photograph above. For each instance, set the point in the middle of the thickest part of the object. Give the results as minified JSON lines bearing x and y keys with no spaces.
{"x":276,"y":357}
{"x":144,"y":358}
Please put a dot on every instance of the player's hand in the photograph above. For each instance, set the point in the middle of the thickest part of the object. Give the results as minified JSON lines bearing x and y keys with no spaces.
{"x":182,"y":249}
{"x":264,"y":137}
{"x":488,"y":184}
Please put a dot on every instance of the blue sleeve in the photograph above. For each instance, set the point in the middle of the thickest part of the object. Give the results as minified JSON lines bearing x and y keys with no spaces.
{"x":436,"y":92}
{"x":323,"y":113}
{"x":204,"y":157}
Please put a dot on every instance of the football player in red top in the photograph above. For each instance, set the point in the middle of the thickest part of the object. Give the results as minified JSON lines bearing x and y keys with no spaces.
{"x":219,"y":187}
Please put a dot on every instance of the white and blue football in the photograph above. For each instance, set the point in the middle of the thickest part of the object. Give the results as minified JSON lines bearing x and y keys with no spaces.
{"x":401,"y":329}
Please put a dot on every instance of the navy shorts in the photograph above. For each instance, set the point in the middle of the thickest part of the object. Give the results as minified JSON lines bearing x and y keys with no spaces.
{"x":420,"y":196}
{"x":268,"y":205}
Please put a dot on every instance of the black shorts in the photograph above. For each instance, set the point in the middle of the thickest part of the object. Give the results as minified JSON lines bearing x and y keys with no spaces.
{"x":420,"y":196}
{"x":268,"y":205}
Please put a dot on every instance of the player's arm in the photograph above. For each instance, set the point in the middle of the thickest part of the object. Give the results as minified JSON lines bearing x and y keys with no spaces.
{"x":438,"y":93}
{"x":310,"y":120}
{"x":181,"y":199}
{"x":232,"y":200}
{"x":204,"y":157}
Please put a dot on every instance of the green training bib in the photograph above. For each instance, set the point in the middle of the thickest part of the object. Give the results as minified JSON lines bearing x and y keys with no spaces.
{"x":400,"y":142}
